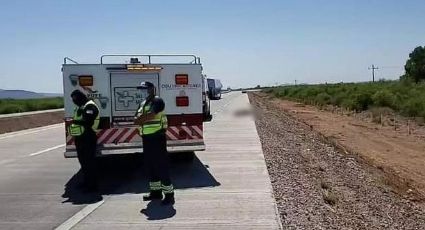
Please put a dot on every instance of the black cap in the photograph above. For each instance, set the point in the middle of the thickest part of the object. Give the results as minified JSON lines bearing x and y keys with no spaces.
{"x":145,"y":85}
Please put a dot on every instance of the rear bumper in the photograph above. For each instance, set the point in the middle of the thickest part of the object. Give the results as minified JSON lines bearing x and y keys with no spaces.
{"x":133,"y":148}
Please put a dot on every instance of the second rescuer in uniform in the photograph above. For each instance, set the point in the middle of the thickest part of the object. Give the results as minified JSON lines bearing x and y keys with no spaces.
{"x":152,"y":123}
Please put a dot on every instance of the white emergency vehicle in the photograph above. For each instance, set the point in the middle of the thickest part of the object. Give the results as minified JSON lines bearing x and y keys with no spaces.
{"x":112,"y":85}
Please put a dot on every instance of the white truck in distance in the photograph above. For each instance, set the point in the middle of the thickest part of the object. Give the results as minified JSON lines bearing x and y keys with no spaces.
{"x":113,"y":88}
{"x":214,"y":88}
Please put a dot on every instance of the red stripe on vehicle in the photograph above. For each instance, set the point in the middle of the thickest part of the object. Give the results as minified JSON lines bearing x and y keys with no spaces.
{"x":129,"y":138}
{"x":113,"y":137}
{"x":100,"y":133}
{"x":70,"y":141}
{"x":126,"y":135}
{"x":189,"y":119}
{"x":172,"y":132}
{"x":188,"y":132}
{"x":123,"y":132}
{"x":109,"y":135}
{"x":195,"y":133}
{"x":177,"y":130}
{"x":198,"y":130}
{"x":170,"y":136}
{"x":101,"y":136}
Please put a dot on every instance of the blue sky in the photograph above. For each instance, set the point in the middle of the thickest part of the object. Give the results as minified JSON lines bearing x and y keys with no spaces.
{"x":244,"y":43}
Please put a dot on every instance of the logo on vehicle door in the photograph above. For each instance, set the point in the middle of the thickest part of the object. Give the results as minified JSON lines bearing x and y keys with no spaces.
{"x":125,"y":98}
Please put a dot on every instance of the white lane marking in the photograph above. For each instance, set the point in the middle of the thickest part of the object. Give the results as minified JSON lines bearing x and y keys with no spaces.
{"x":47,"y":150}
{"x":7,"y":161}
{"x":37,"y":130}
{"x":79,"y":216}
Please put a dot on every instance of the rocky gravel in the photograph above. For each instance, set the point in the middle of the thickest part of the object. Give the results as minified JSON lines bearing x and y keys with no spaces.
{"x":318,"y":187}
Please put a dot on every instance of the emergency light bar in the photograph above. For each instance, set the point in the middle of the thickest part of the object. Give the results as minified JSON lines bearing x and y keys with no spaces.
{"x":141,"y":67}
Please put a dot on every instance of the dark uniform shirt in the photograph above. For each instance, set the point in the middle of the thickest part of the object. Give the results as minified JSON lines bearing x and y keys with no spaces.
{"x":157,"y":104}
{"x":89,"y":114}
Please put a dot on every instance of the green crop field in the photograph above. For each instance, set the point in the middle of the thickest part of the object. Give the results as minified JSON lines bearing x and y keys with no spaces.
{"x":404,"y":97}
{"x":25,"y":105}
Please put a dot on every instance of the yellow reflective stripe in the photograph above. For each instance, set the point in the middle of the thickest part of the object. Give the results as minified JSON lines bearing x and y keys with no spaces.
{"x":152,"y":122}
{"x":155,"y":185}
{"x":76,"y":130}
{"x":159,"y":122}
{"x":96,"y":122}
{"x":167,"y":188}
{"x":145,"y":127}
{"x":154,"y":125}
{"x":164,"y":121}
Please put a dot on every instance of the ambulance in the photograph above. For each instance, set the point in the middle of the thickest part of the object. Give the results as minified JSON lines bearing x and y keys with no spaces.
{"x":112,"y":83}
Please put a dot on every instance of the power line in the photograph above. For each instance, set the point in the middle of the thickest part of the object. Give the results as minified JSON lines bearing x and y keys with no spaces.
{"x":373,"y":68}
{"x":392,"y":67}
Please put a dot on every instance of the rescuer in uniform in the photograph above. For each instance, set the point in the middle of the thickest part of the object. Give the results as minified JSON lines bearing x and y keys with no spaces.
{"x":83,"y":128}
{"x":152,"y":123}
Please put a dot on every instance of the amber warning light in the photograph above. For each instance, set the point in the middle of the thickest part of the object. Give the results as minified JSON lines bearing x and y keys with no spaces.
{"x":85,"y":80}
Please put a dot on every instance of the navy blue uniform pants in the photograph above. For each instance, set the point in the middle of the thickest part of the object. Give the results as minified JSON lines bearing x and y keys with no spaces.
{"x":86,"y":153}
{"x":156,"y":158}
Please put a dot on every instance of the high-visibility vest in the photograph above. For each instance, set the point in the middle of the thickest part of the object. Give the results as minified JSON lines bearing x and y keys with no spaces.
{"x":78,"y":130}
{"x":158,"y":123}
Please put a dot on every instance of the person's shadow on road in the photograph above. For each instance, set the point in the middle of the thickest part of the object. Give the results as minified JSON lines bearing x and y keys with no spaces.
{"x":126,"y":175}
{"x":156,"y":211}
{"x":75,"y":195}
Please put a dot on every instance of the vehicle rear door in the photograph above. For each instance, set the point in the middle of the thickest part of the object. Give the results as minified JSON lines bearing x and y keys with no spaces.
{"x":126,"y":98}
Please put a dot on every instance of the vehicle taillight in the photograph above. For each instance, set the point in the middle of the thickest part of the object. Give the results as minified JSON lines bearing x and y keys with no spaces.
{"x":85,"y":80}
{"x":182,"y":101}
{"x":182,"y":79}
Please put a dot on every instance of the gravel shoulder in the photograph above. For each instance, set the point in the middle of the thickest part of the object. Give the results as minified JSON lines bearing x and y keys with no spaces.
{"x":318,"y":186}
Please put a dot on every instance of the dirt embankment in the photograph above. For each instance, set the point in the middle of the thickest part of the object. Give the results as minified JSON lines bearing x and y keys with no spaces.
{"x":320,"y":186}
{"x":399,"y":155}
{"x":11,"y":124}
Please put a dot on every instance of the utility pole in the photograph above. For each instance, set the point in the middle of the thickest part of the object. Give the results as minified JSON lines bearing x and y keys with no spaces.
{"x":373,"y":68}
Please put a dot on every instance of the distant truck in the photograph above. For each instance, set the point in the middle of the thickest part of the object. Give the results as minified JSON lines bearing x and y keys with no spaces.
{"x":214,"y":88}
{"x":112,"y":86}
{"x":206,"y":104}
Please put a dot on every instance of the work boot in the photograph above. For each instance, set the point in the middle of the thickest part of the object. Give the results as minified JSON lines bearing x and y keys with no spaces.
{"x":153,"y":195}
{"x":169,"y":199}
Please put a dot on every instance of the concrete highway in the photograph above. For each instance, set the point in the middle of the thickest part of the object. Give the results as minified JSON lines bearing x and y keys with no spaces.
{"x":226,"y":186}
